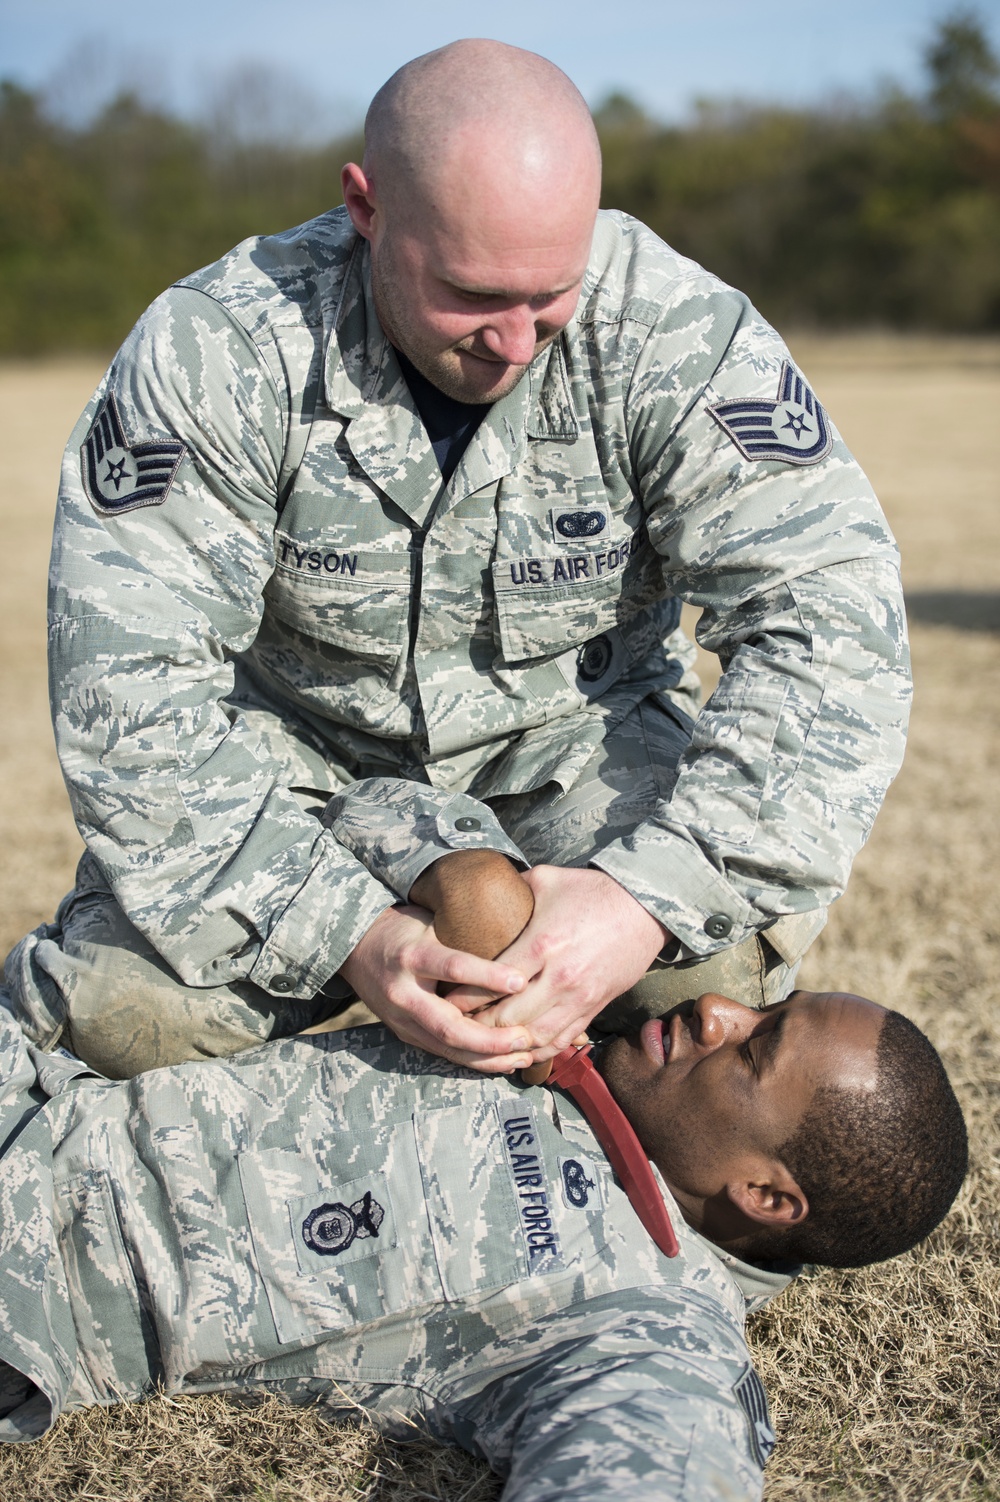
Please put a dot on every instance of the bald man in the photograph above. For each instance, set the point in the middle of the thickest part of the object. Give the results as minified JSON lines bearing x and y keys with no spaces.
{"x":371,"y":546}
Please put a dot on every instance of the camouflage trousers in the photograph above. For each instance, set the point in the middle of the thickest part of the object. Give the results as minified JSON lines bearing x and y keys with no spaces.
{"x":93,"y":983}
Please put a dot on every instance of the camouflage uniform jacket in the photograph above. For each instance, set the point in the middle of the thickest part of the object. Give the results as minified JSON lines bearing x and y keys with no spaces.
{"x":298,"y":1220}
{"x":260,"y":583}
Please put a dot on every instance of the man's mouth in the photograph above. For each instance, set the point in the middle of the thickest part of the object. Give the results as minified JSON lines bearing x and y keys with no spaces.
{"x":655,"y":1041}
{"x":661,"y":1038}
{"x":484,"y":355}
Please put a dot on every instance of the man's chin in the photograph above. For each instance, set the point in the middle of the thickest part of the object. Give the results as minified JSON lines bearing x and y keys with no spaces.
{"x":635,"y":1054}
{"x":476,"y":381}
{"x":622,"y":1062}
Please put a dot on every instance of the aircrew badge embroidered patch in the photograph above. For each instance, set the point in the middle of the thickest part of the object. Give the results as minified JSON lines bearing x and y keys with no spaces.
{"x":120,"y":476}
{"x":793,"y":429}
{"x":581,"y":1186}
{"x":578,"y":523}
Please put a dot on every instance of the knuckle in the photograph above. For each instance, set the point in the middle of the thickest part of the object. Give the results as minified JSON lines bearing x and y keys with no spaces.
{"x":448,"y":1033}
{"x":404,"y":957}
{"x":395,"y":994}
{"x":451,"y":967}
{"x":544,"y":947}
{"x":568,"y":974}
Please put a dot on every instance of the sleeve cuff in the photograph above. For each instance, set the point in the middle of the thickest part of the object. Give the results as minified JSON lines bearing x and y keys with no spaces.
{"x":326,"y":918}
{"x":676,"y":882}
{"x":396,"y":829}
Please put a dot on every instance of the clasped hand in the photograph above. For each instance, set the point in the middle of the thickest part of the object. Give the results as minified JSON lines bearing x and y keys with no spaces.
{"x":527,"y":961}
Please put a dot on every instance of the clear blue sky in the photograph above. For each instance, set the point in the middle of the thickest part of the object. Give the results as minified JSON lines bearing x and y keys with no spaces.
{"x":331,"y":56}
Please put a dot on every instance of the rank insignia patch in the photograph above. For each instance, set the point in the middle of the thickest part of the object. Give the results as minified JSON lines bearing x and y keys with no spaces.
{"x":792,"y":429}
{"x":752,"y":1398}
{"x":120,"y":476}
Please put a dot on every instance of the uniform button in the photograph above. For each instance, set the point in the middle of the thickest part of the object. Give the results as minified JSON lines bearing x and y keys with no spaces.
{"x":282,"y":983}
{"x":718,"y":926}
{"x":467,"y":825}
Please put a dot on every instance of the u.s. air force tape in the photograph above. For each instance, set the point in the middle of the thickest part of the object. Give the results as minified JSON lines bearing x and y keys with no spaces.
{"x":532,"y":1189}
{"x":119,"y":476}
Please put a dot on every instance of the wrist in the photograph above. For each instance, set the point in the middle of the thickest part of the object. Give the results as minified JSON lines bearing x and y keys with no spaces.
{"x":647,"y":929}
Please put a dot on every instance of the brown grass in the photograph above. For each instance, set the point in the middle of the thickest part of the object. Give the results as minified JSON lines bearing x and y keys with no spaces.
{"x":884,"y":1383}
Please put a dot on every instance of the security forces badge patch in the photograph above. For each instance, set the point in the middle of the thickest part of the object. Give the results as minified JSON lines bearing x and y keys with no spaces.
{"x":792,"y":429}
{"x":120,"y":476}
{"x":329,"y":1229}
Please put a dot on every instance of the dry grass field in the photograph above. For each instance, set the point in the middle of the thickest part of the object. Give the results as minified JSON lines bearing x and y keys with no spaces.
{"x":884,"y":1383}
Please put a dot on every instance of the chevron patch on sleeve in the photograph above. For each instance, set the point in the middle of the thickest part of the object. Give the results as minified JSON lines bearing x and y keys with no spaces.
{"x":120,"y":476}
{"x":793,"y":429}
{"x":752,"y":1398}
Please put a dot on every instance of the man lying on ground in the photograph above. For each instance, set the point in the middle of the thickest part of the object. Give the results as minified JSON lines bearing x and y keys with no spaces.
{"x":347,"y":1220}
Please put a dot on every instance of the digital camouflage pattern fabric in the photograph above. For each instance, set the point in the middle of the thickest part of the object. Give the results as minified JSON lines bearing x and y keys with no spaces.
{"x":287,"y":599}
{"x":297,"y":1221}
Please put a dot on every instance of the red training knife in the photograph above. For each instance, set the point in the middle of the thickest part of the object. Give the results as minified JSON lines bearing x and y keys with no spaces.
{"x":573,"y":1071}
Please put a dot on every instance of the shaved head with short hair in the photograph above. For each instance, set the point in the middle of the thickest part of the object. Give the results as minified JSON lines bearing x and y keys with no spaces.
{"x":478,"y":195}
{"x":481,"y":106}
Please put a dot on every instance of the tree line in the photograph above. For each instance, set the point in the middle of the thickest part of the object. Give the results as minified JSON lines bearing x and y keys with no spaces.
{"x":885,"y":213}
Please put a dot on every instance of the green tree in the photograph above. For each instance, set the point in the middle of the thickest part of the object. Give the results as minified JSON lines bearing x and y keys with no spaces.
{"x":962,"y":67}
{"x":884,"y":214}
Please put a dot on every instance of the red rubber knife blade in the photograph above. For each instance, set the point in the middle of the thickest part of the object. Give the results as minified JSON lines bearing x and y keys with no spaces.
{"x":573,"y":1071}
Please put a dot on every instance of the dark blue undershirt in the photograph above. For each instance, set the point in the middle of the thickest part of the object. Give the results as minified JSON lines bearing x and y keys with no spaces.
{"x":450,"y":424}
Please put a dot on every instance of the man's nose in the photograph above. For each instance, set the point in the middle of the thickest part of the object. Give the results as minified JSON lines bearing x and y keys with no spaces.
{"x":720,"y":1019}
{"x":512,"y":336}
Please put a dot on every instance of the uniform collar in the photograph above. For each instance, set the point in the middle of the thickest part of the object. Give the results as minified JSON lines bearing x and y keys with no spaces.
{"x":758,"y":1285}
{"x":364,"y":383}
{"x":573,"y":1070}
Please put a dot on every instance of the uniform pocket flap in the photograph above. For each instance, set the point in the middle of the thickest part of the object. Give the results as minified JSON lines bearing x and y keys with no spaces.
{"x":545,"y":605}
{"x":334,"y":1246}
{"x":357,"y":599}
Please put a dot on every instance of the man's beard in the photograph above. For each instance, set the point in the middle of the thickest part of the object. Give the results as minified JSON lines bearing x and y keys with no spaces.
{"x":443,"y":368}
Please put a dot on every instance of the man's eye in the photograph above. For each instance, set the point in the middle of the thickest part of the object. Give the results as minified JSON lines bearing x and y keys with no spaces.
{"x":746,"y":1053}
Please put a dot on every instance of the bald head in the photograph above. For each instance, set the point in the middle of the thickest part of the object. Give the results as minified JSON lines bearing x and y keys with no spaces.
{"x":504,"y":115}
{"x":478,"y":194}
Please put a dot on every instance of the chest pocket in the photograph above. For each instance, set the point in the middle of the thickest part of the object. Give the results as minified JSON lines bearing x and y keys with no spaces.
{"x":338,"y":1244}
{"x":358,"y":600}
{"x":546,"y":605}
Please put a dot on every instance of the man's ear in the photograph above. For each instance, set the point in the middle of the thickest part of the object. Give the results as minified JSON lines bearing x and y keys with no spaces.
{"x":359,"y":198}
{"x":771,"y":1197}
